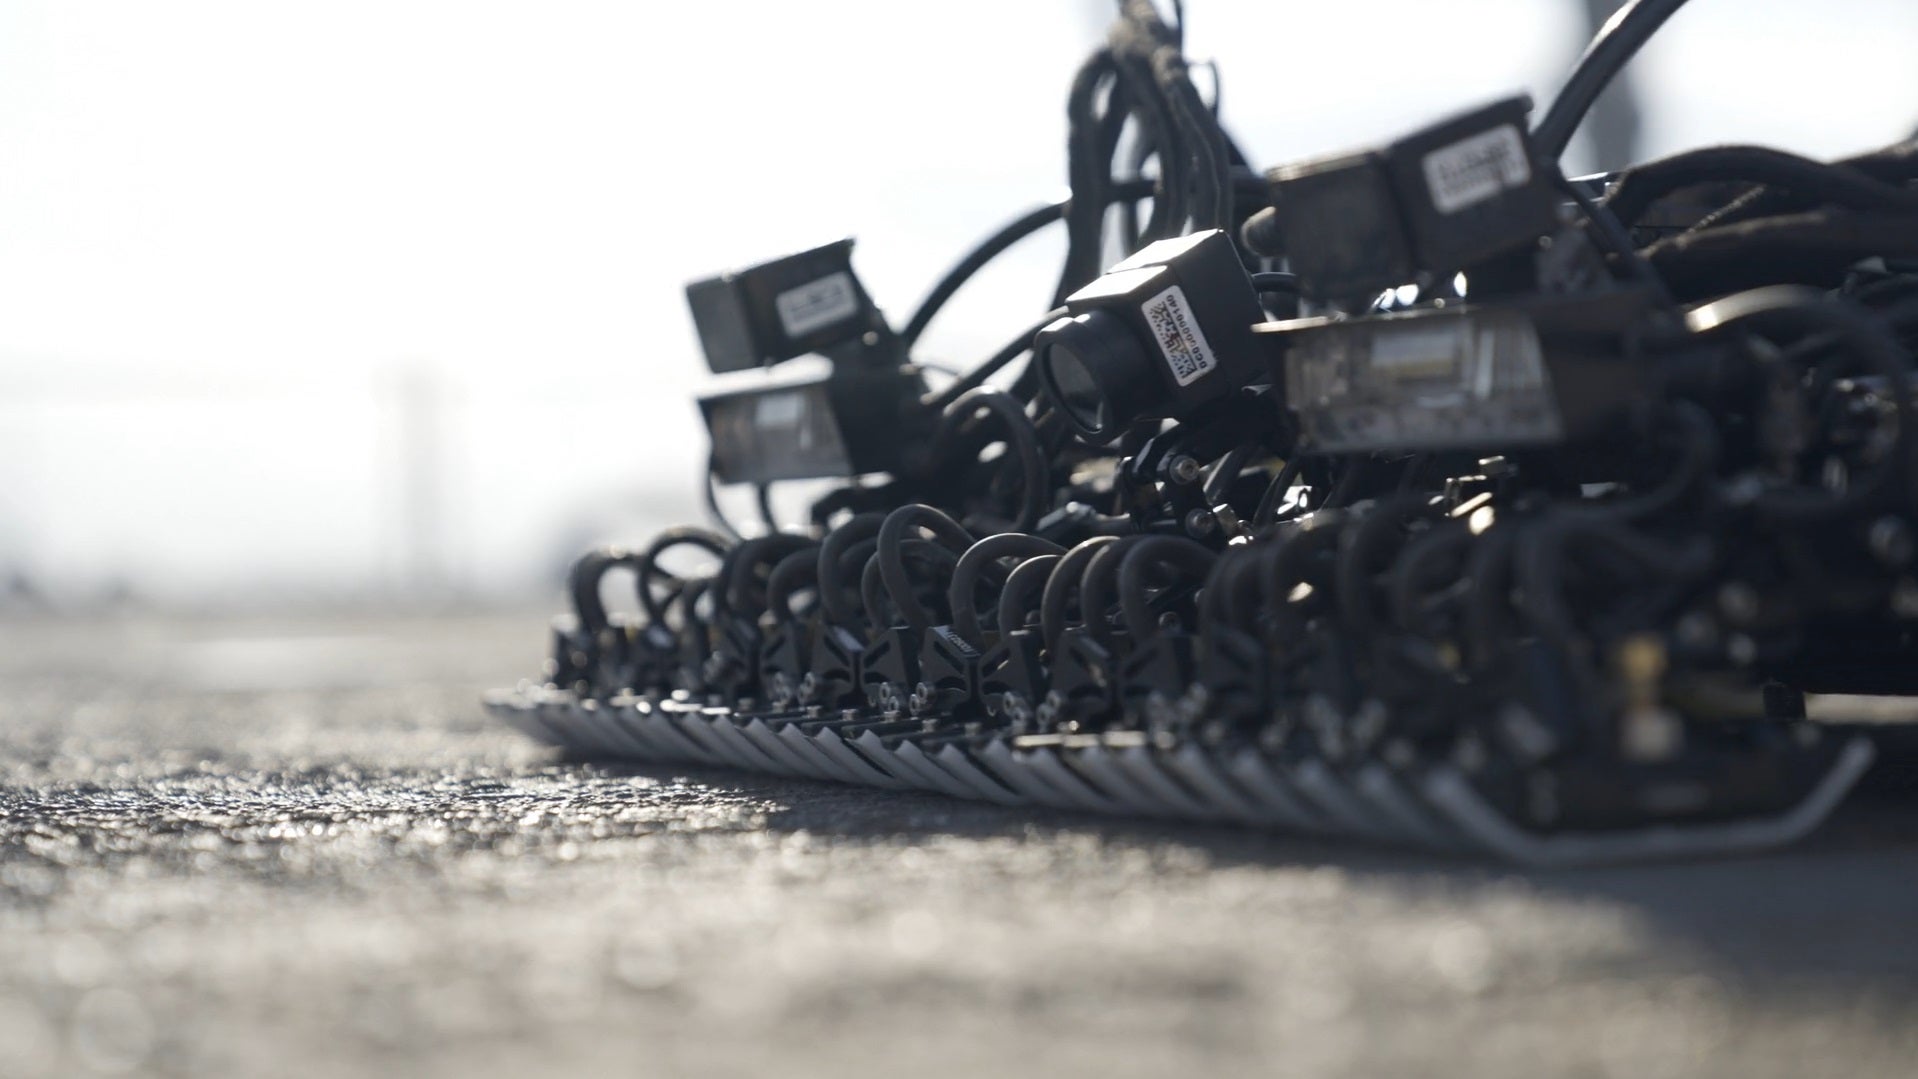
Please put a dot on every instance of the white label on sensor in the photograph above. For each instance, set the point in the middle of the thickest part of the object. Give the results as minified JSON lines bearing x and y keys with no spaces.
{"x":780,"y":409}
{"x":816,"y":304}
{"x":1474,"y":169}
{"x":1179,"y":336}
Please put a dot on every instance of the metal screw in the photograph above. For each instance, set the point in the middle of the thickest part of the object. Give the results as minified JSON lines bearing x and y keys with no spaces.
{"x":1744,"y":490}
{"x":921,"y":698}
{"x":782,"y":688}
{"x":1891,"y":541}
{"x":1738,"y":602}
{"x":1904,"y":599}
{"x":1182,"y":469}
{"x":1696,"y":631}
{"x":1651,"y":734}
{"x":1741,"y":650}
{"x":1200,"y":522}
{"x":1834,"y":475}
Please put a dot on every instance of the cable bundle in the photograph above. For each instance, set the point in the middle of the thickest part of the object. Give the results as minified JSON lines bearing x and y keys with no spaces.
{"x":1539,"y":551}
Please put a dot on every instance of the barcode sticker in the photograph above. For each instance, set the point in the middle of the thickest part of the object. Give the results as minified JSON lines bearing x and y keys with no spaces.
{"x":779,"y":409}
{"x":1474,"y":169}
{"x":1179,"y":336}
{"x":817,"y":304}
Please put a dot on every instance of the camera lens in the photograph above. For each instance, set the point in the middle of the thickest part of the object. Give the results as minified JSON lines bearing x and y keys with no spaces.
{"x":1075,"y":389}
{"x":1094,"y":371}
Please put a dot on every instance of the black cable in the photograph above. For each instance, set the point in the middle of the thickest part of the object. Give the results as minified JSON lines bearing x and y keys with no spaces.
{"x":1297,"y":560}
{"x":1903,"y":315}
{"x":1022,"y":442}
{"x":833,"y":548}
{"x":1641,"y":186}
{"x":1211,"y":162}
{"x":648,"y":562}
{"x":1268,"y":508}
{"x":974,"y":378}
{"x":1138,"y":154}
{"x":1614,"y":239}
{"x":1176,"y":552}
{"x":1406,"y":587}
{"x":1895,"y":164}
{"x":1171,"y":203}
{"x":1099,"y":586}
{"x":1015,"y":597}
{"x":712,"y":499}
{"x":1219,"y":481}
{"x":872,"y":592}
{"x":763,"y":498}
{"x":1616,"y":43}
{"x":584,"y":579}
{"x":1088,"y":171}
{"x":1885,"y":296}
{"x":740,"y":585}
{"x":1488,"y":597}
{"x":1805,"y":248}
{"x":1222,"y":597}
{"x":1539,"y":572}
{"x":1359,"y":558}
{"x":876,"y":594}
{"x":1700,"y":448}
{"x":1211,"y":153}
{"x":976,"y":259}
{"x":793,"y":574}
{"x":893,"y":534}
{"x":686,"y":599}
{"x":1345,"y":489}
{"x":1062,"y":584}
{"x":1803,"y":311}
{"x":852,"y":563}
{"x":1276,"y":281}
{"x":975,"y":562}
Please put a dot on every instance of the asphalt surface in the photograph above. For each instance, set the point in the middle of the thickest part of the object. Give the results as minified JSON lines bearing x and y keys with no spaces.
{"x":295,"y":846}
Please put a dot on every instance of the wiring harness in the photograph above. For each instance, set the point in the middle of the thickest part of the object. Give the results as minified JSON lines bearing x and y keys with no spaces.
{"x":1417,"y":494}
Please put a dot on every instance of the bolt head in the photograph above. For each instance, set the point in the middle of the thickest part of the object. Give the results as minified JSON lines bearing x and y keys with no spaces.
{"x":1891,"y":541}
{"x":1738,"y":602}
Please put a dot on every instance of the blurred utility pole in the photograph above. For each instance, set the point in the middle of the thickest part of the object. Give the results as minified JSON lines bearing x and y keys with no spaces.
{"x":419,"y":415}
{"x":1611,"y":132}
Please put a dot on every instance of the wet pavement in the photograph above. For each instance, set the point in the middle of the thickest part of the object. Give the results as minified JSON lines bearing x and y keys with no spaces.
{"x":246,"y":846}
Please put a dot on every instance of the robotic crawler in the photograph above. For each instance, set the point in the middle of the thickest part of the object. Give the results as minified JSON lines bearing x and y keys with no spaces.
{"x":1419,"y":494}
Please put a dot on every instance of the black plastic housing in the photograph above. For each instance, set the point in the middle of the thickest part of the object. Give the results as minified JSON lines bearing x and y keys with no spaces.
{"x":777,"y":310}
{"x":850,"y":422}
{"x":1543,"y":371}
{"x":1161,"y":334}
{"x":1435,"y":202}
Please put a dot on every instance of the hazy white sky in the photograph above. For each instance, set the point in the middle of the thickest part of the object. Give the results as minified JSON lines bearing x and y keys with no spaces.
{"x":228,"y":227}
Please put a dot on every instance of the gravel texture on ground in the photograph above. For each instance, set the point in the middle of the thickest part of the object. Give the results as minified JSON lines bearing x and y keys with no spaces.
{"x":273,"y":846}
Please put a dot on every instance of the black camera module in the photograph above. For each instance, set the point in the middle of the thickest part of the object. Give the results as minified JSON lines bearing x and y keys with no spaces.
{"x":1162,"y":333}
{"x":1577,"y":562}
{"x":801,"y":303}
